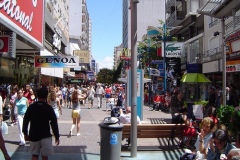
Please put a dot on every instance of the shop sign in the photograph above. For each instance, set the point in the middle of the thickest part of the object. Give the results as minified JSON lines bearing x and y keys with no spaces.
{"x":173,"y":49}
{"x":56,"y":62}
{"x":26,"y":18}
{"x":8,"y":45}
{"x":233,"y":66}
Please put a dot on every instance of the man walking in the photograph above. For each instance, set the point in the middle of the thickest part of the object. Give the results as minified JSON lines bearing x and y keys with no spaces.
{"x":39,"y":114}
{"x":99,"y":91}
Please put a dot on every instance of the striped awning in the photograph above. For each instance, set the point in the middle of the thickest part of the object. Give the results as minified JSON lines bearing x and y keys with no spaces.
{"x":219,"y":8}
{"x":209,"y":7}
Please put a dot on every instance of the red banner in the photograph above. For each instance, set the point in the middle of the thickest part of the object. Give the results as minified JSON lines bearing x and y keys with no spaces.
{"x":25,"y":17}
{"x":159,"y":52}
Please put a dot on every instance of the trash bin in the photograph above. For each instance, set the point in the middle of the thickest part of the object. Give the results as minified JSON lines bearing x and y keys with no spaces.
{"x":111,"y":138}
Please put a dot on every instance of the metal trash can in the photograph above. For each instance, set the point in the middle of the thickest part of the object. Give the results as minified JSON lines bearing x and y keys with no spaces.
{"x":111,"y":139}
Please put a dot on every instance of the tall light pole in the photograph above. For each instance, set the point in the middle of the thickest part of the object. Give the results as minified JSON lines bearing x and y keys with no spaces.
{"x":133,"y":7}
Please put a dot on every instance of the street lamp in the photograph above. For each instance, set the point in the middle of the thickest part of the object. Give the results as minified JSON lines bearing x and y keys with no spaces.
{"x":148,"y":51}
{"x":154,"y":31}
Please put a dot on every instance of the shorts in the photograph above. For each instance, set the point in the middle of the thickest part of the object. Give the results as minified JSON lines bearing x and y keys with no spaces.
{"x":69,"y":99}
{"x":75,"y":113}
{"x":43,"y":147}
{"x":108,"y":95}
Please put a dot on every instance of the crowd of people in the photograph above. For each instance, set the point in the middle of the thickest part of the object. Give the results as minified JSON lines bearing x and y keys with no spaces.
{"x":23,"y":105}
{"x":211,"y":138}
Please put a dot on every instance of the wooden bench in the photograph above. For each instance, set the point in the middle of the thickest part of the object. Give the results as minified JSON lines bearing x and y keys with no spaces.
{"x":169,"y":131}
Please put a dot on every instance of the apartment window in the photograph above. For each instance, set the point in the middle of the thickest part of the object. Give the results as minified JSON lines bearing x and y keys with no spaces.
{"x":212,"y":21}
{"x":192,"y":6}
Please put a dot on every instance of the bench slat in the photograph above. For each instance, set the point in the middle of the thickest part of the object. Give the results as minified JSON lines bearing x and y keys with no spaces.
{"x":155,"y":130}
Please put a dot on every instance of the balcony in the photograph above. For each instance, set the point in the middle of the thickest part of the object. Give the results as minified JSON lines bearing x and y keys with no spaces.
{"x":84,"y":8}
{"x":229,"y":26}
{"x":212,"y":55}
{"x":169,"y":4}
{"x":214,"y":23}
{"x":175,"y":18}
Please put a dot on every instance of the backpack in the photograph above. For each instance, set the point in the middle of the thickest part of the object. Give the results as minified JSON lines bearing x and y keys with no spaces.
{"x":120,"y":97}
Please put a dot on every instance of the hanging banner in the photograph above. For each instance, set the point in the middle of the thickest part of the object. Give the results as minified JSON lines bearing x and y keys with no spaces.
{"x":83,"y":56}
{"x":26,"y":18}
{"x":56,"y":62}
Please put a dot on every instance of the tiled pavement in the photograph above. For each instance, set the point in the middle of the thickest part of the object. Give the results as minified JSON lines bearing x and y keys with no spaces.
{"x":86,"y":146}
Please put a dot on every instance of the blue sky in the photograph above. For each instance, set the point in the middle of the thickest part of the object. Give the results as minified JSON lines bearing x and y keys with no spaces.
{"x":106,"y":16}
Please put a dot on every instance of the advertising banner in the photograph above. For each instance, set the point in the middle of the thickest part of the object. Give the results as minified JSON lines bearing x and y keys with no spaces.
{"x":173,"y":70}
{"x":56,"y":62}
{"x":83,"y":56}
{"x":26,"y":18}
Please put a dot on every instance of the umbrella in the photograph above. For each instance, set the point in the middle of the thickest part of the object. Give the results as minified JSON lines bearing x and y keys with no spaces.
{"x":195,"y":78}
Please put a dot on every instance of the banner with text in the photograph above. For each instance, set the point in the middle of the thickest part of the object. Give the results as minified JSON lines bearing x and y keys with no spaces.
{"x":173,"y":49}
{"x":56,"y":62}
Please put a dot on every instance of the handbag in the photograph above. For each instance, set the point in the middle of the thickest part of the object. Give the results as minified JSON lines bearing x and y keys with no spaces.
{"x":4,"y":127}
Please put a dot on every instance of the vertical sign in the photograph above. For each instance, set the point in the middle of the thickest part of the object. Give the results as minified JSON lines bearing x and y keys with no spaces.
{"x":139,"y":91}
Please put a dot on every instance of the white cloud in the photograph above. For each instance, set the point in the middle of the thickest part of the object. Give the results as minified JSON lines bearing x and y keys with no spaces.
{"x":107,"y":62}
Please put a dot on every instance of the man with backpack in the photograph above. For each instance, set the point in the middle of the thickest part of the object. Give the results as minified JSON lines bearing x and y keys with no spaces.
{"x":120,"y":97}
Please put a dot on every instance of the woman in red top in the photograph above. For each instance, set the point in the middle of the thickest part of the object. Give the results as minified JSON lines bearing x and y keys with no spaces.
{"x":157,"y":101}
{"x":27,"y":93}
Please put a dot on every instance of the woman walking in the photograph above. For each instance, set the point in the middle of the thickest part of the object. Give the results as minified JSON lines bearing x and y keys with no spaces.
{"x":21,"y":104}
{"x":54,"y":102}
{"x":76,"y":109}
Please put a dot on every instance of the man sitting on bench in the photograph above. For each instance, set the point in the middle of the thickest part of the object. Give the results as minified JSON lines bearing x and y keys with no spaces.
{"x":126,"y":118}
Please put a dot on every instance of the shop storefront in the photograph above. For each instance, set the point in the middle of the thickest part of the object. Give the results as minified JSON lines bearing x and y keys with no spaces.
{"x":20,"y":39}
{"x":233,"y":59}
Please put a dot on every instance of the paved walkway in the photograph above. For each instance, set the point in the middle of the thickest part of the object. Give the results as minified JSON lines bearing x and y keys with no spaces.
{"x":86,"y":146}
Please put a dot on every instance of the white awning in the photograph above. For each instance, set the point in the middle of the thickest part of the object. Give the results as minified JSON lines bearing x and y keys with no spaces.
{"x":71,"y":74}
{"x":209,"y":7}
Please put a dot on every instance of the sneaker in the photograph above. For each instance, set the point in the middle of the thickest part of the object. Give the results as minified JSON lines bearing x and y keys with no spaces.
{"x":78,"y":134}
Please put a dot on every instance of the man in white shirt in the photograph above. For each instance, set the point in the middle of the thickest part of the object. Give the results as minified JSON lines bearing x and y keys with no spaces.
{"x":126,"y":118}
{"x":99,"y":91}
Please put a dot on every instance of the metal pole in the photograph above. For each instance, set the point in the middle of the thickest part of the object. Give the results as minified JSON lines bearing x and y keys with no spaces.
{"x":149,"y":84}
{"x":164,"y":58}
{"x":223,"y":64}
{"x":134,"y":78}
{"x":164,"y":53}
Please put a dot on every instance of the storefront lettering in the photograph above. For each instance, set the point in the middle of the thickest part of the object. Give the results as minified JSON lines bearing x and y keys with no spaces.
{"x":173,"y":53}
{"x":56,"y":60}
{"x":14,"y":11}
